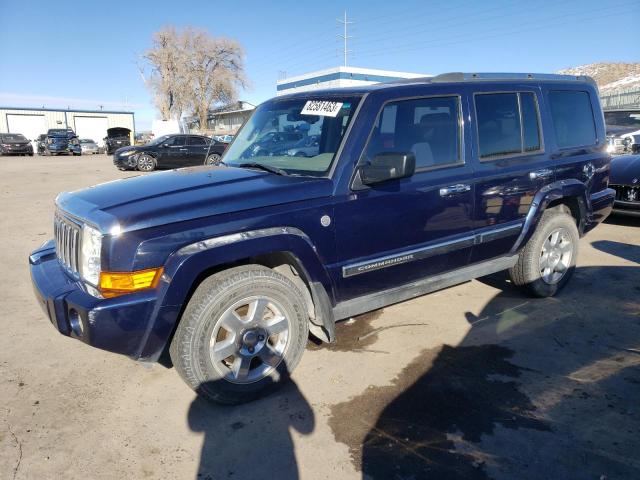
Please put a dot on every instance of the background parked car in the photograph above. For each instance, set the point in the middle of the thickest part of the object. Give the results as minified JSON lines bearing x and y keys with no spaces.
{"x":61,"y":141}
{"x":88,"y":146}
{"x":623,"y":131}
{"x":15,"y":144}
{"x":40,"y":141}
{"x":117,"y":137}
{"x":272,"y":142}
{"x":625,"y":180}
{"x":170,"y":151}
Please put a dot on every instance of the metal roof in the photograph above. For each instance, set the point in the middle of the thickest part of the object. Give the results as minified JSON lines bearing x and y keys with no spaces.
{"x":62,"y":110}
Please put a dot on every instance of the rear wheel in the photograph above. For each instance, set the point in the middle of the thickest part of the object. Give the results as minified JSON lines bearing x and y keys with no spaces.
{"x":548,"y":260}
{"x":213,"y":159}
{"x":146,"y":163}
{"x":241,"y":335}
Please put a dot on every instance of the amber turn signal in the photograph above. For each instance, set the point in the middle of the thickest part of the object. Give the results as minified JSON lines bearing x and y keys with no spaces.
{"x":113,"y":284}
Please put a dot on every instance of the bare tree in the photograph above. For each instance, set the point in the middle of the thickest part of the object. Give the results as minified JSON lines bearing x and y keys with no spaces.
{"x":166,"y":59}
{"x":191,"y":70}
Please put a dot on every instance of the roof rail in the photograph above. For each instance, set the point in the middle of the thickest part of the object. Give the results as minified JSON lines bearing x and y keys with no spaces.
{"x":470,"y":77}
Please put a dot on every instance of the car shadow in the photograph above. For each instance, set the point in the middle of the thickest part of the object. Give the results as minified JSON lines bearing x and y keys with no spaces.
{"x":252,"y":440}
{"x":538,"y":388}
{"x":619,"y":249}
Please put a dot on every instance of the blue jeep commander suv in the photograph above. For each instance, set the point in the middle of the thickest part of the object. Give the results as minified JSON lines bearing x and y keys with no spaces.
{"x":414,"y":186}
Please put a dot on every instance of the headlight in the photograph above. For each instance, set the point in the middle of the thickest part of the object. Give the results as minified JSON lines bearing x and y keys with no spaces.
{"x":128,"y":153}
{"x":90,"y":255}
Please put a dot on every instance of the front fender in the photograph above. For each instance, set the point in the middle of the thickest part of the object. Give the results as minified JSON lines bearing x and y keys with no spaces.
{"x":184,"y":267}
{"x":545,"y":196}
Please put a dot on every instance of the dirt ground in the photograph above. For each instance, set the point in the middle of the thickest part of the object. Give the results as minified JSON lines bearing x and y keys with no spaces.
{"x":473,"y":382}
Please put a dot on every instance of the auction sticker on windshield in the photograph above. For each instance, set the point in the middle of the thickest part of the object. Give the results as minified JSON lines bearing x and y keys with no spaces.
{"x":321,"y":107}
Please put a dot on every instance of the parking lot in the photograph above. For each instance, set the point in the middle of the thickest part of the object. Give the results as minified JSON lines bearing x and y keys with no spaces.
{"x":475,"y":381}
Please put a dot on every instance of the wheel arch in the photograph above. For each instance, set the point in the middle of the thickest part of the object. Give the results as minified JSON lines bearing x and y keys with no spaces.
{"x":567,"y":195}
{"x":290,"y":255}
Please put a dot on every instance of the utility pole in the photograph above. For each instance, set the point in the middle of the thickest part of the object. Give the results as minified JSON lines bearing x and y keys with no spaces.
{"x":344,"y":36}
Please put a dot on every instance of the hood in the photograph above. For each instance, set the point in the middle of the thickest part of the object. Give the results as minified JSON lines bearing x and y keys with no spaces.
{"x":617,"y":130}
{"x":625,"y":169}
{"x":128,"y":148}
{"x":177,"y":195}
{"x":118,"y":132}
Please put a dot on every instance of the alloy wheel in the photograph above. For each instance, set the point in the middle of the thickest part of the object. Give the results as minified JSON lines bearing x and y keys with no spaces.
{"x":249,"y":340}
{"x":555,"y":256}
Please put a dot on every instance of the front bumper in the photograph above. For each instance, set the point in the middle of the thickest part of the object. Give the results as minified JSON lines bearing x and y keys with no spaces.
{"x":120,"y":325}
{"x":16,"y":151}
{"x":630,"y":209}
{"x":126,"y":162}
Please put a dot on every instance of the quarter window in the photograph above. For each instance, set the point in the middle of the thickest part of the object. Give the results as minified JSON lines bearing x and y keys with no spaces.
{"x":427,"y":127}
{"x":572,"y":115}
{"x":508,"y":124}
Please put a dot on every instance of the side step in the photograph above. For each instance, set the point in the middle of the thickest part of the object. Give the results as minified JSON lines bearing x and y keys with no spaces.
{"x":367,"y":303}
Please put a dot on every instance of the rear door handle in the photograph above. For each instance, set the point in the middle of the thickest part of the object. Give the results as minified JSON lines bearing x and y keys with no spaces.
{"x":454,"y":190}
{"x":538,"y":174}
{"x":184,"y":149}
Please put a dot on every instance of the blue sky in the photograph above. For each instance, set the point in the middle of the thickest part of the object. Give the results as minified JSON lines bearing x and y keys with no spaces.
{"x":84,"y":54}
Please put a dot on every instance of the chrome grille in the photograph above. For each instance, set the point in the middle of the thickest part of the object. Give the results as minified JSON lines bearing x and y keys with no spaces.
{"x":67,"y":237}
{"x":627,"y":193}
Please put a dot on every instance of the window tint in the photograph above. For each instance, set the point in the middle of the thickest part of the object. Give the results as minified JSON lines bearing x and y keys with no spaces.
{"x":197,"y":141}
{"x":508,"y":123}
{"x":176,"y":141}
{"x":428,"y":127}
{"x":530,"y":126}
{"x":498,"y":124}
{"x":572,"y":116}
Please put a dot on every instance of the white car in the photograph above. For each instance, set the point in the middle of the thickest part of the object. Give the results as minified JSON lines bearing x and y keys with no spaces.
{"x":88,"y":146}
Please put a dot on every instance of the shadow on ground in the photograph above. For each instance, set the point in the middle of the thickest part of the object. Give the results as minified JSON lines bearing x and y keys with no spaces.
{"x":251,"y":440}
{"x":539,"y":388}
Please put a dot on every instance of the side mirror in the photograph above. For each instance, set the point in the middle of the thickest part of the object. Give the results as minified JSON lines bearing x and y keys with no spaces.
{"x":388,"y":166}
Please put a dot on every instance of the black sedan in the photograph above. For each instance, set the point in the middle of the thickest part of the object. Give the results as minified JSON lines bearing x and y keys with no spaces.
{"x":625,"y":179}
{"x":170,"y":151}
{"x":15,"y":144}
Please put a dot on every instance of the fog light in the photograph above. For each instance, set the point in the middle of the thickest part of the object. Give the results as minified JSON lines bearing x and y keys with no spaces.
{"x":77,"y":327}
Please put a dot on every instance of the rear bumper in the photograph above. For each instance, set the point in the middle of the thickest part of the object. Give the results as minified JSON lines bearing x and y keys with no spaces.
{"x":119,"y":325}
{"x":601,"y":207}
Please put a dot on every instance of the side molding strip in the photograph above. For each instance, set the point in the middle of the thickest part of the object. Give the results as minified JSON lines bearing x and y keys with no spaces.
{"x":430,"y":251}
{"x":238,"y":237}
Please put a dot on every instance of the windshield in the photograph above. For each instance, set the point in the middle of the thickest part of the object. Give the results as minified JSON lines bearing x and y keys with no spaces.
{"x":623,"y":119}
{"x":298,"y":136}
{"x":14,"y":137}
{"x":158,"y":140}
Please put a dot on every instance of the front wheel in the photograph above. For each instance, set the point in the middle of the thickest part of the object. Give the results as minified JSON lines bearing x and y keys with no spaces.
{"x":213,"y":159}
{"x":243,"y":332}
{"x":548,"y":260}
{"x":146,"y":163}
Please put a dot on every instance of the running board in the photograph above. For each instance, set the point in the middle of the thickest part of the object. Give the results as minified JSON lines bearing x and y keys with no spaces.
{"x":374,"y":301}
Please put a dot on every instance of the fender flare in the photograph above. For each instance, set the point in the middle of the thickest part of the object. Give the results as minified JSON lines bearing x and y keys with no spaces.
{"x":185,"y":267}
{"x":548,"y":194}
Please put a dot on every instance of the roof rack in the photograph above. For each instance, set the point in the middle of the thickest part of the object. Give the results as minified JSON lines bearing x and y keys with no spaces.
{"x":456,"y":77}
{"x":470,"y":77}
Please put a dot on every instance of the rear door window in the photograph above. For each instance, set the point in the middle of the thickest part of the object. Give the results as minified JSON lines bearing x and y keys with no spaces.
{"x":427,"y":127}
{"x":573,"y":122}
{"x":197,"y":141}
{"x":508,"y":124}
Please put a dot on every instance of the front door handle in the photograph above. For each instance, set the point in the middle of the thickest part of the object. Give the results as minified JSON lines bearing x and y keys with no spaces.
{"x":454,"y":190}
{"x":184,"y":149}
{"x":541,"y":174}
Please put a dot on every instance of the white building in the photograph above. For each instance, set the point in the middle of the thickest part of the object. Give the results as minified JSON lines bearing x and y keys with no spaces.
{"x":92,"y":124}
{"x":339,"y":77}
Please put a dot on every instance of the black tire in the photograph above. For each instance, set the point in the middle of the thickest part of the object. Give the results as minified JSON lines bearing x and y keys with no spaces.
{"x":191,"y":349}
{"x":527,"y":273}
{"x":146,"y":163}
{"x":213,"y":159}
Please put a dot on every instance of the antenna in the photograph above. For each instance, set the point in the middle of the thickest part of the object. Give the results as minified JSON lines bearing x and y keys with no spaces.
{"x":344,"y":36}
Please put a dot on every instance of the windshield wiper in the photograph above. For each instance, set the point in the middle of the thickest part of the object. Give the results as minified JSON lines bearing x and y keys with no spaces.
{"x":266,"y":168}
